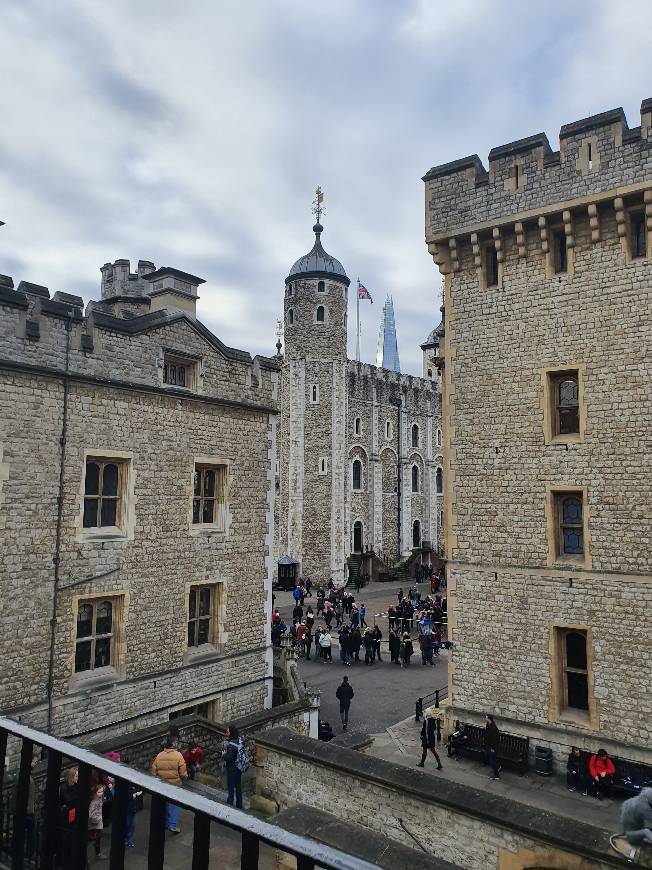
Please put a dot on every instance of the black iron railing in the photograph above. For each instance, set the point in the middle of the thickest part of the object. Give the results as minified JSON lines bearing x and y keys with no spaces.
{"x":206,"y":812}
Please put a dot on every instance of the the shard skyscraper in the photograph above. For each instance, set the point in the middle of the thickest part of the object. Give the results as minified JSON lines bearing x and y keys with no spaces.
{"x":387,"y":352}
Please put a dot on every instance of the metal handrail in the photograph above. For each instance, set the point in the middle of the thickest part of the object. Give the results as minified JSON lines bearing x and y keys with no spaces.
{"x":309,"y":851}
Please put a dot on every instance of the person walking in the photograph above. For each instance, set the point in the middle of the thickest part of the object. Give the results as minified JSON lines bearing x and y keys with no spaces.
{"x":356,"y":643}
{"x":363,"y":612}
{"x":308,"y":642}
{"x":344,"y":694}
{"x":429,"y":741}
{"x":171,"y":768}
{"x":378,"y":637}
{"x":95,"y":822}
{"x":345,"y":646}
{"x":491,"y":741}
{"x":325,"y":641}
{"x":233,"y":762}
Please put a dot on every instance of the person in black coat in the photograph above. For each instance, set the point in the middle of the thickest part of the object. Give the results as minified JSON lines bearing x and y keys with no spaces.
{"x":574,"y":769}
{"x":344,"y":694}
{"x":394,"y":646}
{"x":429,"y":741}
{"x":491,"y":740}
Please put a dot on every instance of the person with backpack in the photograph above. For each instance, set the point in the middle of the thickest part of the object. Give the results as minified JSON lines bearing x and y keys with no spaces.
{"x":344,"y":694}
{"x":236,"y":762}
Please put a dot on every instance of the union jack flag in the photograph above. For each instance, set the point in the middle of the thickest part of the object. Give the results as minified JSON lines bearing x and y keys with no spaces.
{"x":363,"y":293}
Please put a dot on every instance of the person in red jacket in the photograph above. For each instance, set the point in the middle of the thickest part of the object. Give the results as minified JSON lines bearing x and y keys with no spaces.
{"x":194,"y":758}
{"x":601,"y":771}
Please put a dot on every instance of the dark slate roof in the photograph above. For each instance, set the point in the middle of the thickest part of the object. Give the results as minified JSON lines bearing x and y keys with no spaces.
{"x":287,"y":560}
{"x":317,"y":262}
{"x":176,"y":273}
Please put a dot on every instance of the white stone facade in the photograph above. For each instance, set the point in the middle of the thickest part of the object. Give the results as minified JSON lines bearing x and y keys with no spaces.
{"x":335,"y":412}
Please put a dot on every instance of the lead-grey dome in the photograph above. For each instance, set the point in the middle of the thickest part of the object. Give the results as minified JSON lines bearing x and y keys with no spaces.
{"x":317,"y":263}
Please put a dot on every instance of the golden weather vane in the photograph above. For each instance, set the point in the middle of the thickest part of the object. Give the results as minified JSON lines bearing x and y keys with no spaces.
{"x":317,"y":208}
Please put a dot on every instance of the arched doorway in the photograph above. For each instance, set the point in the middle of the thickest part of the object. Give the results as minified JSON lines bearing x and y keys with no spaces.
{"x":357,"y":537}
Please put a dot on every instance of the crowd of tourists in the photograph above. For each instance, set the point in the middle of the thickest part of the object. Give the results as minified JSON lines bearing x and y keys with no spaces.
{"x":336,"y":618}
{"x":175,"y":763}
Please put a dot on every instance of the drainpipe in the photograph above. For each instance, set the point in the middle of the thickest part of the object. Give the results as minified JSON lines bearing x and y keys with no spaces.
{"x":57,"y":541}
{"x":399,"y":480}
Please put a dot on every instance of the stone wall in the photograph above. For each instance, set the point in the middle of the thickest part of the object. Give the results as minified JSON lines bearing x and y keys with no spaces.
{"x":450,"y":821}
{"x":509,"y":592}
{"x":117,"y":407}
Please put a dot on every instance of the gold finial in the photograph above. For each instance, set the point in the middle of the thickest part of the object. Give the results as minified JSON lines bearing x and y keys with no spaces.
{"x":317,"y":208}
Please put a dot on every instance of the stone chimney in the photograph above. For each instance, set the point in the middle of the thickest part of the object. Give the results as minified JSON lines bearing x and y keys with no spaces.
{"x":172,"y":289}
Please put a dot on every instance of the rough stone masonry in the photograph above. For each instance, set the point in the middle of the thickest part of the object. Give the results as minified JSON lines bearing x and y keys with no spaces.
{"x":137,"y":476}
{"x":547,"y":264}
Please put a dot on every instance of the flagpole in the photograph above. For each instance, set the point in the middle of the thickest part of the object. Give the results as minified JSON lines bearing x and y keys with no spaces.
{"x":357,"y":333}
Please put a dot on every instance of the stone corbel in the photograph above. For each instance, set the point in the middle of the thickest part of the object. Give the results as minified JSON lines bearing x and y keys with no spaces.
{"x":477,"y":255}
{"x":520,"y":239}
{"x":455,"y":259}
{"x":498,"y":242}
{"x":543,"y":231}
{"x":594,"y":222}
{"x":441,"y":257}
{"x":621,"y":223}
{"x":568,"y":229}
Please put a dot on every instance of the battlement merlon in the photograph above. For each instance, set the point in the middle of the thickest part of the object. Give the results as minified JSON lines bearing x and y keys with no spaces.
{"x":599,"y":157}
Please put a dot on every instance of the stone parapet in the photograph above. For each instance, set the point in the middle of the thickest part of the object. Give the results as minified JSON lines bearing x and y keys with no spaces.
{"x":598,"y":157}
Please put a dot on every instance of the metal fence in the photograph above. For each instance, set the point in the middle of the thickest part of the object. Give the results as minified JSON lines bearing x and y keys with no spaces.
{"x":17,"y":829}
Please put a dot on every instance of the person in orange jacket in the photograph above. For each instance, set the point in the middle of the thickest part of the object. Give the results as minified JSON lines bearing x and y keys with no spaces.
{"x":601,"y":771}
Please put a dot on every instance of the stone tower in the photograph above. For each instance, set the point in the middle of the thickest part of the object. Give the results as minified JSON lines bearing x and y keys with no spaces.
{"x":312,"y":443}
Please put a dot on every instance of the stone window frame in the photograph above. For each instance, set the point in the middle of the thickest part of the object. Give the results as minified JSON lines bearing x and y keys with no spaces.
{"x":485,"y":246}
{"x":291,"y":320}
{"x":414,"y":426}
{"x":316,"y":314}
{"x":290,"y":289}
{"x":556,"y":557}
{"x":321,"y":286}
{"x":438,"y":437}
{"x":415,"y":483}
{"x":439,"y":475}
{"x":639,"y":211}
{"x":313,"y":394}
{"x":322,"y":466}
{"x":222,"y":528}
{"x":556,"y":228}
{"x":388,"y":430}
{"x":441,"y":519}
{"x":126,"y":483}
{"x":361,"y":488}
{"x":357,"y":426}
{"x":193,"y":363}
{"x":218,"y":635}
{"x":414,"y":522}
{"x":558,"y":710}
{"x":550,"y":376}
{"x":111,"y":673}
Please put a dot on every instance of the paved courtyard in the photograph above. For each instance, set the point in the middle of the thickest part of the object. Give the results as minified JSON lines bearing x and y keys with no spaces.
{"x":384,"y":693}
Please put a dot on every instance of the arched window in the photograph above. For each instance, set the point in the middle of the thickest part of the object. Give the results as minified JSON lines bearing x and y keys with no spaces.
{"x":415,"y":478}
{"x":290,"y":290}
{"x":357,"y":537}
{"x":357,"y":474}
{"x":314,"y":394}
{"x":438,"y":437}
{"x":290,"y":316}
{"x":388,"y":430}
{"x":439,"y":481}
{"x":416,"y":533}
{"x":415,"y":435}
{"x":320,"y":286}
{"x":321,"y":314}
{"x":356,"y":426}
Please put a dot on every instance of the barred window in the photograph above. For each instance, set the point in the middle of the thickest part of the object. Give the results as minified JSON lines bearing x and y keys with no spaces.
{"x":94,"y":635}
{"x":209,"y":496}
{"x":571,"y":524}
{"x":104,"y":483}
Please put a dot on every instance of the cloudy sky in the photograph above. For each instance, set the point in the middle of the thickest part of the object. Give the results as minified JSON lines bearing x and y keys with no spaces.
{"x":194,"y":133}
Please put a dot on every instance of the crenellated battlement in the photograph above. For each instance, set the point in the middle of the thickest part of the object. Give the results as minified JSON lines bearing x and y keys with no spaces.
{"x":363,"y":377}
{"x":598,"y":157}
{"x":118,"y":279}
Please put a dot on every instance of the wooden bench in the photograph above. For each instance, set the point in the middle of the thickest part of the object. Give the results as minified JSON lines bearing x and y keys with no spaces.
{"x":630,"y":776}
{"x":513,"y":751}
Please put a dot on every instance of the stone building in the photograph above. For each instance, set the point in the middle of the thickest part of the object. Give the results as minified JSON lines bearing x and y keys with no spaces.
{"x":137,"y":460}
{"x":547,"y":264}
{"x":359,"y":446}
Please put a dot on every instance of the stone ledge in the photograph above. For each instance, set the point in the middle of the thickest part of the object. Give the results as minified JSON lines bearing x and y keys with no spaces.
{"x":539,"y":825}
{"x":360,"y":842}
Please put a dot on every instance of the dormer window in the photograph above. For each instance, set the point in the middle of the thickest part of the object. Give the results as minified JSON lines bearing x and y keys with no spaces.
{"x":179,"y":371}
{"x":321,"y":286}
